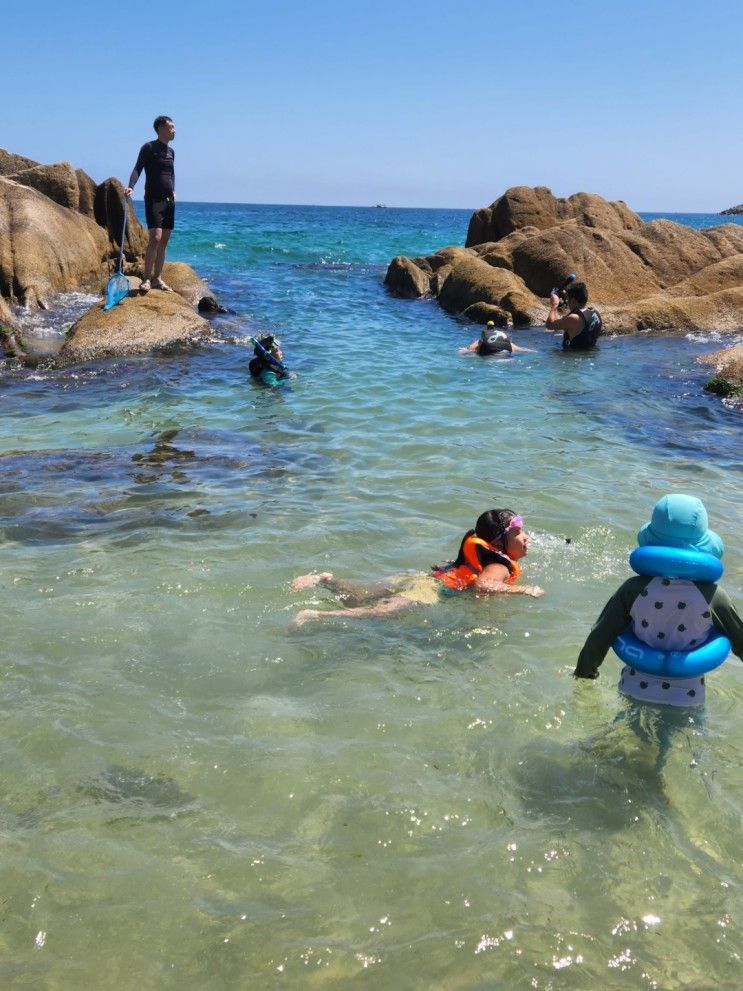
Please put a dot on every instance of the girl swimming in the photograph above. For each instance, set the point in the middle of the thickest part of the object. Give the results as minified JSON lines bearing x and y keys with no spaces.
{"x":487,"y":563}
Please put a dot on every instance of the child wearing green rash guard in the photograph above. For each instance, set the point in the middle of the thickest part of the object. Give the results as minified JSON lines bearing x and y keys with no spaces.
{"x":666,"y":613}
{"x":268,"y":364}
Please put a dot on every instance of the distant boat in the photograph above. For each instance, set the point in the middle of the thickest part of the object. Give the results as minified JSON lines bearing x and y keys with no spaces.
{"x":381,"y":206}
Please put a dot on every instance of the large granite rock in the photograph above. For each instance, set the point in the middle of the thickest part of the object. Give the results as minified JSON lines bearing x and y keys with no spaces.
{"x":86,"y":189}
{"x":45,"y":248}
{"x":137,"y":325}
{"x":526,"y":206}
{"x":658,"y":275}
{"x":191,"y":287}
{"x":58,"y":182}
{"x":10,"y":162}
{"x":108,"y":210}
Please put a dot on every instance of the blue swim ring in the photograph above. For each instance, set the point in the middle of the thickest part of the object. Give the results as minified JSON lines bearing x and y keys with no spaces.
{"x":672,"y":663}
{"x":675,"y":562}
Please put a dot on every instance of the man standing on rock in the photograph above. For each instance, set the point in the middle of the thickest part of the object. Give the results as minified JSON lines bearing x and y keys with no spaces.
{"x":157,"y":159}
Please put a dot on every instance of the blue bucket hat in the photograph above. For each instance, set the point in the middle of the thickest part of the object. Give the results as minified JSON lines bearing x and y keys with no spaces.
{"x":680,"y":521}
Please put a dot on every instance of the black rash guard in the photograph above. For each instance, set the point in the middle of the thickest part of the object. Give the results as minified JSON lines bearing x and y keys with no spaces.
{"x":158,"y":161}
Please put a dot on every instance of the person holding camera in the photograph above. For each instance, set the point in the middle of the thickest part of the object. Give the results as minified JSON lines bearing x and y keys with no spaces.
{"x":582,"y":324}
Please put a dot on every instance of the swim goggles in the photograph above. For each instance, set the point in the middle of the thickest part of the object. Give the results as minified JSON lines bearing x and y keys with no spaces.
{"x":516,"y":523}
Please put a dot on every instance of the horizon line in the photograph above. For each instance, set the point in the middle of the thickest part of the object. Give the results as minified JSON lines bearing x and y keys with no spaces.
{"x":386,"y":206}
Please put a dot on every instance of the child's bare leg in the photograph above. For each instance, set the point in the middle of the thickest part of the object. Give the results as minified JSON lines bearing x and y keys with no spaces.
{"x":351,"y":592}
{"x":383,"y":607}
{"x":309,"y":581}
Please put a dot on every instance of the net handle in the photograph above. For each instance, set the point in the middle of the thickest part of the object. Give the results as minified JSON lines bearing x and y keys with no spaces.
{"x":123,"y":235}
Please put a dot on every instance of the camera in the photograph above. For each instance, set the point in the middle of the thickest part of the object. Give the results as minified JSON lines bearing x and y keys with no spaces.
{"x":562,"y":290}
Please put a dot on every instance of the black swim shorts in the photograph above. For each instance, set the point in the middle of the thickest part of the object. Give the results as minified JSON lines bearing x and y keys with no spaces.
{"x":160,"y":213}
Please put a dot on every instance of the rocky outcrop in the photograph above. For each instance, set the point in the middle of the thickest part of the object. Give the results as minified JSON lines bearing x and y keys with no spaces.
{"x":59,"y":231}
{"x":191,"y":287}
{"x":58,"y":182}
{"x":657,"y":275}
{"x":10,"y":333}
{"x":728,"y":380}
{"x":108,"y":210}
{"x":45,"y":248}
{"x":86,"y":190}
{"x":10,"y":163}
{"x":407,"y":279}
{"x":137,"y":325}
{"x":526,"y":206}
{"x":732,"y":210}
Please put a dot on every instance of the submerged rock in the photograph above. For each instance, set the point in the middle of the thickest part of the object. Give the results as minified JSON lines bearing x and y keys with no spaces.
{"x":657,"y":275}
{"x":137,"y":325}
{"x":728,"y":382}
{"x":137,"y":795}
{"x":10,"y":333}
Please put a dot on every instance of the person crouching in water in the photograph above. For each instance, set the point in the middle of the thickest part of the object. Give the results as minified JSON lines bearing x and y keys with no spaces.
{"x":487,"y":563}
{"x":582,"y":324}
{"x":268,"y":364}
{"x":493,"y":342}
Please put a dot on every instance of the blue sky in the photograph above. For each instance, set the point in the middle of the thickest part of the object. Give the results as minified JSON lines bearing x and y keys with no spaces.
{"x":409,"y":104}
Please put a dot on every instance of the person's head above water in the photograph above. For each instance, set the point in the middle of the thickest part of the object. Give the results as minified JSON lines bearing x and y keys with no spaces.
{"x":504,"y":529}
{"x":577,"y":295}
{"x":680,"y":521}
{"x":494,"y":341}
{"x":268,"y":343}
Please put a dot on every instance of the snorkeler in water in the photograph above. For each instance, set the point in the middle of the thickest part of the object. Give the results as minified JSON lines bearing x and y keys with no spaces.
{"x":267,"y":365}
{"x":492,"y":342}
{"x":487,"y":563}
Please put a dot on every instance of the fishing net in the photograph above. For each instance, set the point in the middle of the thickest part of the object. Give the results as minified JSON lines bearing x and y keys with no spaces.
{"x":116,"y":290}
{"x":118,"y":285}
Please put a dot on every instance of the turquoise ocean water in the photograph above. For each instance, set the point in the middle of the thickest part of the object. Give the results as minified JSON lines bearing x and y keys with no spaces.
{"x":195,"y":798}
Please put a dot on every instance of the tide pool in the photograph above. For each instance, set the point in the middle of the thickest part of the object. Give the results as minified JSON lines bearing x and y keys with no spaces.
{"x":195,"y":798}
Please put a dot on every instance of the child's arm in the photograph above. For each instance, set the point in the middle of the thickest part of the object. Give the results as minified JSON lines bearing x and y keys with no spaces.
{"x":492,"y":581}
{"x":517,"y":347}
{"x":613,"y":620}
{"x":725,"y":616}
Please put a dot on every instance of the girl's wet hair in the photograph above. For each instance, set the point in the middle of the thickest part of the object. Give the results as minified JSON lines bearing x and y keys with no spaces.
{"x":493,"y":524}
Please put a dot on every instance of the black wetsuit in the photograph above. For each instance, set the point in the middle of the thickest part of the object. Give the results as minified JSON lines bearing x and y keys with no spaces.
{"x":589,"y":335}
{"x":158,"y":161}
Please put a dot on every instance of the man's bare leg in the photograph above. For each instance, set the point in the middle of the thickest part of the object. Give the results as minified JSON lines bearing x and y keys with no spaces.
{"x":162,"y":244}
{"x":150,"y":258}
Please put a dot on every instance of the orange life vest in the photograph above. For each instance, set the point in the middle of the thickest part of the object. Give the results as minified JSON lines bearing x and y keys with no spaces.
{"x":463,"y":575}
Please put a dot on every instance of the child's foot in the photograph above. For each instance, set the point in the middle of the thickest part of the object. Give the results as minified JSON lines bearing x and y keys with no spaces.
{"x":302,"y":617}
{"x":145,"y":285}
{"x":162,"y":286}
{"x":309,"y":581}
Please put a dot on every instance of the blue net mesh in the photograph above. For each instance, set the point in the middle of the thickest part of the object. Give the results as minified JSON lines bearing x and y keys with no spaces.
{"x":116,"y":290}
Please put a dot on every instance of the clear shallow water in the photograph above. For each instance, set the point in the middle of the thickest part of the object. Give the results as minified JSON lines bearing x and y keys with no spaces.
{"x":194,"y":798}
